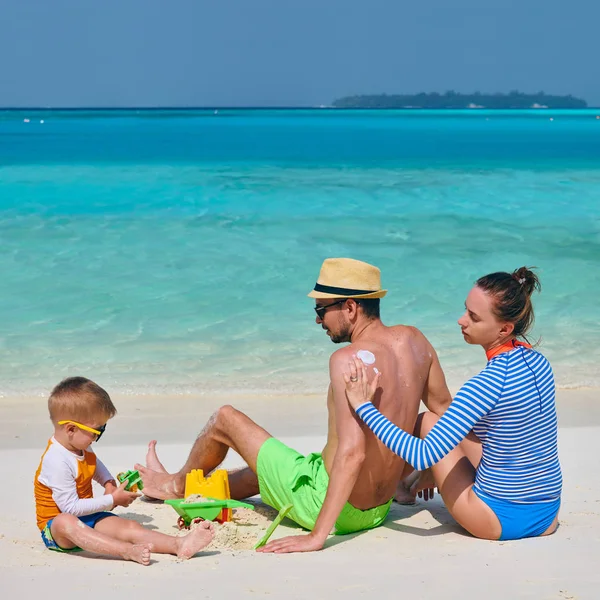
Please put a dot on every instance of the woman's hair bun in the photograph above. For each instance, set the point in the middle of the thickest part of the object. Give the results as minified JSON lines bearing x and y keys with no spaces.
{"x":527,"y":279}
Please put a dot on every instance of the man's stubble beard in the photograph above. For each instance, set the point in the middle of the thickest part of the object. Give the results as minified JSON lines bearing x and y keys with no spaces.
{"x":342,"y":336}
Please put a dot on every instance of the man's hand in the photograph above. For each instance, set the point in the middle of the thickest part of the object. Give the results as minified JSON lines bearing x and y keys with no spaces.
{"x":121,"y":497}
{"x":294,"y":543}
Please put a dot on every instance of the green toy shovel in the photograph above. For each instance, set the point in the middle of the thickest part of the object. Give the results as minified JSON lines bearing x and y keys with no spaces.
{"x":265,"y":538}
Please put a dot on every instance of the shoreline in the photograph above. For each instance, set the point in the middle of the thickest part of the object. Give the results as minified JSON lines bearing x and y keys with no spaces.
{"x":24,"y":421}
{"x":300,"y":383}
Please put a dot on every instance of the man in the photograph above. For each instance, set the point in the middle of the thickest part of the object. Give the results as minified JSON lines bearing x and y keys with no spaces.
{"x":349,"y":485}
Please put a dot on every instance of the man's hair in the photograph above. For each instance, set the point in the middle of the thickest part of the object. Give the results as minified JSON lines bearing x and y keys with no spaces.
{"x":79,"y":399}
{"x":370,"y":307}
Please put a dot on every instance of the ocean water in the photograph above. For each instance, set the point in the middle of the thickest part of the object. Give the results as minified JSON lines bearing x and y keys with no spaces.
{"x":172,"y":251}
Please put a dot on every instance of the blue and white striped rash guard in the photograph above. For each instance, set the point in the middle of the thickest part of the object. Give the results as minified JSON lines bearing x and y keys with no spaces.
{"x":510,"y":406}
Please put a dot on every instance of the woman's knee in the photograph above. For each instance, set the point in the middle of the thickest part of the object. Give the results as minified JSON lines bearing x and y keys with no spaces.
{"x":425,"y":423}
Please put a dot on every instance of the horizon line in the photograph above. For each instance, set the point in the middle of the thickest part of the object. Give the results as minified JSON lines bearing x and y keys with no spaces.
{"x":275,"y":107}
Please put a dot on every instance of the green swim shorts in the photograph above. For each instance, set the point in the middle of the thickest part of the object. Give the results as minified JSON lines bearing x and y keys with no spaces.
{"x":287,"y":477}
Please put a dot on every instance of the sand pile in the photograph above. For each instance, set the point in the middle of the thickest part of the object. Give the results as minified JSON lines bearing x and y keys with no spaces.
{"x":196,"y":498}
{"x":244,"y":530}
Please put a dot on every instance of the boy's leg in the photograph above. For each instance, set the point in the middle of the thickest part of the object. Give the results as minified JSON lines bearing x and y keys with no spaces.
{"x":227,"y":428}
{"x":68,"y":531}
{"x":130,"y":531}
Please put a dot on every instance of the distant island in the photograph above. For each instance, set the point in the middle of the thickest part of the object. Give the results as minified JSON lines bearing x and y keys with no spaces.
{"x":455,"y":100}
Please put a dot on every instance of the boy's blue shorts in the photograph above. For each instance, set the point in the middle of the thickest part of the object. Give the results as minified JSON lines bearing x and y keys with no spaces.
{"x":89,"y":520}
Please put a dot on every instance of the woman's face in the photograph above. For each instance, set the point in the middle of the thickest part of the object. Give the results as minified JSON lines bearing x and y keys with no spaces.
{"x":478,"y":324}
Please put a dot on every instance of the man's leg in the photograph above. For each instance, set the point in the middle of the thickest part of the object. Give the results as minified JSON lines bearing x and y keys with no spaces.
{"x":227,"y":428}
{"x":243,"y":482}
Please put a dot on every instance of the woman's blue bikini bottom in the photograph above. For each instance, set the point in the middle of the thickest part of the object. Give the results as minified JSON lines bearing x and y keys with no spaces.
{"x":520,"y":520}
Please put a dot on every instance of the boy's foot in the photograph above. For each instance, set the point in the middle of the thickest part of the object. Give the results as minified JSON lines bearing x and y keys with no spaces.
{"x":194,"y":541}
{"x":152,"y":461}
{"x":139,"y":553}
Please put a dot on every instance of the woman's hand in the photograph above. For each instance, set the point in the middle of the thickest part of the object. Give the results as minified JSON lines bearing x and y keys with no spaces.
{"x":358,"y":388}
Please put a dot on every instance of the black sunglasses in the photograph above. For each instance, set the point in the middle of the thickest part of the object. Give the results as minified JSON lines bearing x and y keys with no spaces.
{"x":321,"y":310}
{"x":101,"y":430}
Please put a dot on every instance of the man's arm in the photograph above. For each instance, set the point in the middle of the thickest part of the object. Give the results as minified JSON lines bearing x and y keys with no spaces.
{"x":350,"y":453}
{"x":348,"y":460}
{"x":436,"y":395}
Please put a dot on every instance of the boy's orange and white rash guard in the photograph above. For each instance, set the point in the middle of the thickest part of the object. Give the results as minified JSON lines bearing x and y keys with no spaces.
{"x":63,"y":484}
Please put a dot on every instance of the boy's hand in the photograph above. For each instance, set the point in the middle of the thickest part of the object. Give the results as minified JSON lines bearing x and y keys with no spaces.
{"x":110,"y":486}
{"x":121,"y":497}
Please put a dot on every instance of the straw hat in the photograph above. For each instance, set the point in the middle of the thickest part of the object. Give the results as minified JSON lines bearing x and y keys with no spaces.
{"x":348,"y":278}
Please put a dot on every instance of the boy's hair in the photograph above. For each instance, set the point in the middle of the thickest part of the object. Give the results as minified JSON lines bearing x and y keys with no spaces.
{"x":79,"y":399}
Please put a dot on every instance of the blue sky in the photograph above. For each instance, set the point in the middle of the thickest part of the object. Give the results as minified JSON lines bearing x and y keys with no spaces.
{"x":268,"y":52}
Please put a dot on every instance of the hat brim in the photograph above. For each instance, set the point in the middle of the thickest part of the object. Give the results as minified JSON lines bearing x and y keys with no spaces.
{"x":377,"y":294}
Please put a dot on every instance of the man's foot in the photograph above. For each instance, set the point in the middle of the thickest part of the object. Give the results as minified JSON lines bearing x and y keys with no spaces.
{"x":194,"y":541}
{"x":404,"y":495}
{"x":161,"y":486}
{"x":418,"y":483}
{"x":152,"y":461}
{"x":139,"y":553}
{"x":424,"y":485}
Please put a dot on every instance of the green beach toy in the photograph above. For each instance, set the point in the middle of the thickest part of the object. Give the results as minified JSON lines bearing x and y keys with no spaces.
{"x":207,"y":511}
{"x":134,"y":481}
{"x":265,"y":538}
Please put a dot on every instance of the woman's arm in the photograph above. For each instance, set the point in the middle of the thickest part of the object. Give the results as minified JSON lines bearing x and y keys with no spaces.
{"x":474,"y":400}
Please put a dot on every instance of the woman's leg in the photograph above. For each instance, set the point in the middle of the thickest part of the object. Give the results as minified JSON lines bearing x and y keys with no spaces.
{"x":68,"y":531}
{"x":184,"y":547}
{"x":421,"y":483}
{"x":553,"y":527}
{"x":454,"y":476}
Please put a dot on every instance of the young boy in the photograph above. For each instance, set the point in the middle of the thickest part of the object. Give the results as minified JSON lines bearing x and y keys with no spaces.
{"x":68,"y":515}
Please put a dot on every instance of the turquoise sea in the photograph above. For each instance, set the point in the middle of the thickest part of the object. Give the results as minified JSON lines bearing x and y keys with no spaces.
{"x":172,"y":251}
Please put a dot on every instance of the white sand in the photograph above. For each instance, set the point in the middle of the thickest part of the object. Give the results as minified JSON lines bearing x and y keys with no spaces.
{"x":418,"y":553}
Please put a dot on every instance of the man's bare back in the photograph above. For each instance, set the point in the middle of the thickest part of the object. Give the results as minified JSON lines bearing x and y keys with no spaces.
{"x":410,"y":371}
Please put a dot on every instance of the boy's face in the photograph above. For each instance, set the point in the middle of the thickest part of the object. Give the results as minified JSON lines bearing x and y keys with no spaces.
{"x":78,"y":433}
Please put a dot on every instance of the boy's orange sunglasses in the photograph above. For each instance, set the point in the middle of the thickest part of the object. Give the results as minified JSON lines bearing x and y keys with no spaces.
{"x":98,"y":431}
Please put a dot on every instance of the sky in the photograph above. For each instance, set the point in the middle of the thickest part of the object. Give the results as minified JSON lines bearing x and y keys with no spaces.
{"x":76,"y":53}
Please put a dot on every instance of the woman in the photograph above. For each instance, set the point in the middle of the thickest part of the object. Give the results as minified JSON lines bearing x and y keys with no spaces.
{"x":505,"y":483}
